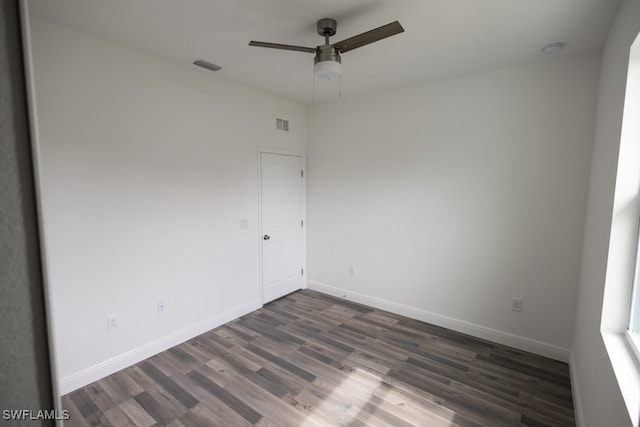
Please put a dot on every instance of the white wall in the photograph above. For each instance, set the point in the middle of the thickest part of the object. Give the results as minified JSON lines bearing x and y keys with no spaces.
{"x":451,"y":198}
{"x":147,"y":169}
{"x":607,"y":255}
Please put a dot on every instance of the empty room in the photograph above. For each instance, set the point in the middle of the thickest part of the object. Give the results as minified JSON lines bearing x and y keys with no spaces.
{"x":310,"y":213}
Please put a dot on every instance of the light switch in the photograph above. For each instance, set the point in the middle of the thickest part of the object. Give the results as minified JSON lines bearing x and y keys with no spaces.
{"x":244,"y":223}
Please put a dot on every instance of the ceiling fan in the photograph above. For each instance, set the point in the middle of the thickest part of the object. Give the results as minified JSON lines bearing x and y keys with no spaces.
{"x":327,"y":63}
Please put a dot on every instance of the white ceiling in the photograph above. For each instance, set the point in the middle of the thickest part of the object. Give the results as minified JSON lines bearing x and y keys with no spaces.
{"x":442,"y":38}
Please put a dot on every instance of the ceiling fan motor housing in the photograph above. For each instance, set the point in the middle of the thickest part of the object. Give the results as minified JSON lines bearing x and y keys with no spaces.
{"x":327,"y":28}
{"x":327,"y":53}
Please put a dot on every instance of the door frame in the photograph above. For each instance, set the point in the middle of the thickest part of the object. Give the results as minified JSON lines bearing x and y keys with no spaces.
{"x":282,"y":152}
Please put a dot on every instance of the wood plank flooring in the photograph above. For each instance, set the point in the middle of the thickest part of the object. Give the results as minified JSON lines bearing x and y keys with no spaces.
{"x":312,"y":360}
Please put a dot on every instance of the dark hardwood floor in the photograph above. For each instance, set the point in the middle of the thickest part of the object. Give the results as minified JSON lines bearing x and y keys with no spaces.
{"x":312,"y":360}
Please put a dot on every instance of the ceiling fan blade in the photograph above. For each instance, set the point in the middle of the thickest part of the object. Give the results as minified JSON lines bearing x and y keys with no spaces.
{"x":282,"y":46}
{"x":369,"y":37}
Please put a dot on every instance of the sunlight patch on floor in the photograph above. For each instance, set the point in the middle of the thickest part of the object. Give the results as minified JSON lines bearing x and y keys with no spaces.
{"x":362,"y":395}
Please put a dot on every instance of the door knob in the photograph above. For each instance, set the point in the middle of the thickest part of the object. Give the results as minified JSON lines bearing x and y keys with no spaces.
{"x":266,"y":237}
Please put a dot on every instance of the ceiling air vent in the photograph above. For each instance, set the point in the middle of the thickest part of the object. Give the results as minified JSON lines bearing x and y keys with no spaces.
{"x":282,"y":124}
{"x":208,"y":65}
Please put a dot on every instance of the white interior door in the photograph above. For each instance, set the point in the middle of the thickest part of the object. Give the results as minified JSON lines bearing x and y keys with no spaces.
{"x":282,"y":215}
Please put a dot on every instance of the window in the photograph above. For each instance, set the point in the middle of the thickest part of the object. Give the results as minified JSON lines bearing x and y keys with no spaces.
{"x":621,"y":298}
{"x":633,"y":328}
{"x":631,"y":136}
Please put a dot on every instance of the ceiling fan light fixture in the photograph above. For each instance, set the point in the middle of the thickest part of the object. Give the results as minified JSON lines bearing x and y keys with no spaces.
{"x":327,"y":63}
{"x":327,"y":69}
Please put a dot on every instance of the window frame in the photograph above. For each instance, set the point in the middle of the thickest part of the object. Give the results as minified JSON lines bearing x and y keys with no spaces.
{"x":632,"y":107}
{"x":633,"y":336}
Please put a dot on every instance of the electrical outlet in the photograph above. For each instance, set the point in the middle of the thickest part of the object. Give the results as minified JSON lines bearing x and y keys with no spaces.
{"x":516,"y":304}
{"x":352,"y":270}
{"x":162,"y":306}
{"x":113,"y":322}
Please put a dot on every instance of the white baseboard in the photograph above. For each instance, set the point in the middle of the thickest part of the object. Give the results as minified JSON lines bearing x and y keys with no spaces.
{"x":505,"y":338}
{"x":108,"y":367}
{"x":575,"y":392}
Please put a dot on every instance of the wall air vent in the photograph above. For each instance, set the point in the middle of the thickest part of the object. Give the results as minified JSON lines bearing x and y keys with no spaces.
{"x":208,"y":65}
{"x":282,"y":124}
